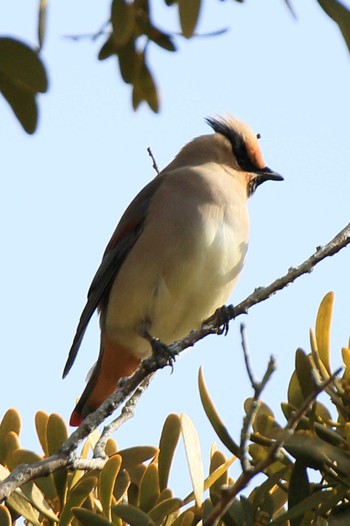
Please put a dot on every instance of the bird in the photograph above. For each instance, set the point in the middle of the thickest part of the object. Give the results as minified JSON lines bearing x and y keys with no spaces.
{"x":175,"y":255}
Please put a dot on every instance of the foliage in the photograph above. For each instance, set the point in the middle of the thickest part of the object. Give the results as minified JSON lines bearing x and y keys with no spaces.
{"x":133,"y":485}
{"x":128,"y":34}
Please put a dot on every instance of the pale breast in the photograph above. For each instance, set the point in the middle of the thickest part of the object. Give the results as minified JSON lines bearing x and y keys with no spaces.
{"x":186,"y":262}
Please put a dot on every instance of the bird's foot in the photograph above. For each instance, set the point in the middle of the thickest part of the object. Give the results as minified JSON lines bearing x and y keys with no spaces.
{"x":222,"y":317}
{"x":161,"y":351}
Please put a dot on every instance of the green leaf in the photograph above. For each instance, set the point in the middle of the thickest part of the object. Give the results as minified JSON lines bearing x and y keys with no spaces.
{"x":264,"y":491}
{"x":90,"y":518}
{"x":122,"y":485}
{"x":136,"y":473}
{"x":164,"y":495}
{"x":19,"y":504}
{"x":194,"y":457}
{"x":135,"y":455}
{"x":123,"y":21}
{"x":323,"y":329}
{"x":185,"y":519}
{"x":317,"y":453}
{"x":108,"y":477}
{"x":10,"y":444}
{"x":304,"y":373}
{"x":212,"y":478}
{"x":163,"y":509}
{"x":214,"y":418}
{"x":41,"y":420}
{"x":56,"y":434}
{"x":340,"y":516}
{"x":162,"y":39}
{"x":127,"y":61}
{"x":132,"y":515}
{"x":5,"y":516}
{"x":22,"y":102}
{"x":45,"y":484}
{"x":167,"y":445}
{"x":295,"y":397}
{"x":147,"y":86}
{"x":189,"y":13}
{"x":22,"y":66}
{"x":217,"y":460}
{"x":77,"y":495}
{"x":307,"y":504}
{"x":149,"y":488}
{"x":111,"y":447}
{"x":11,"y":422}
{"x":346,"y":360}
{"x":341,"y":16}
{"x":298,"y":489}
{"x":108,"y":49}
{"x":36,"y":498}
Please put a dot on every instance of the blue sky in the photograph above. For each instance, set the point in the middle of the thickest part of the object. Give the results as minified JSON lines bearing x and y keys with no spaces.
{"x":64,"y":189}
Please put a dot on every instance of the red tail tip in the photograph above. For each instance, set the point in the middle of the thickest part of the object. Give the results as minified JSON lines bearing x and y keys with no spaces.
{"x":75,"y":419}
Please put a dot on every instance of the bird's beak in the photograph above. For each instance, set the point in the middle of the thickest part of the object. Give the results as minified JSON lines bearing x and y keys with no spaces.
{"x":266,"y":174}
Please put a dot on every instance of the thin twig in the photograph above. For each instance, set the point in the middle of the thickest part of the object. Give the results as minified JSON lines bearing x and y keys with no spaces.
{"x":258,"y":388}
{"x":127,"y":412}
{"x":154,"y":165}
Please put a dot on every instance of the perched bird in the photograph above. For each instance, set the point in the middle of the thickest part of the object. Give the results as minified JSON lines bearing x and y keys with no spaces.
{"x":175,"y":255}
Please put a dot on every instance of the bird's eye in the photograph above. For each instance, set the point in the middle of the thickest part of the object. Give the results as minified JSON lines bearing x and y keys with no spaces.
{"x":258,"y":136}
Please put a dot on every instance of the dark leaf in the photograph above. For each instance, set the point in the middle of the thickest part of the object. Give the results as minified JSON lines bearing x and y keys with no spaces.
{"x":307,"y":504}
{"x":341,"y":16}
{"x":22,"y":102}
{"x":132,"y":515}
{"x":161,"y":39}
{"x":22,"y":66}
{"x":148,"y":87}
{"x":107,"y":50}
{"x":189,"y":13}
{"x":304,"y":373}
{"x":123,"y":21}
{"x":299,"y":488}
{"x":90,"y":518}
{"x":10,"y":422}
{"x":167,"y":445}
{"x":127,"y":59}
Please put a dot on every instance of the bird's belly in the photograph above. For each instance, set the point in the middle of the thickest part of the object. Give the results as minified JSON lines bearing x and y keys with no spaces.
{"x":172,"y":298}
{"x":192,"y":292}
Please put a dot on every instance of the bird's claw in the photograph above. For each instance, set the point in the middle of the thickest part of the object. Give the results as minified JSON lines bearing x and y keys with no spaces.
{"x":222,"y":317}
{"x":161,"y":350}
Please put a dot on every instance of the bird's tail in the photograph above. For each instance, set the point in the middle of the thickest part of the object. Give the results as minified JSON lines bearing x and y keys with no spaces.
{"x":115,"y":362}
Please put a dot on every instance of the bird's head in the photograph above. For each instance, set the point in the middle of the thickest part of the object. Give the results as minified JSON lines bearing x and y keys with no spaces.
{"x":239,"y":146}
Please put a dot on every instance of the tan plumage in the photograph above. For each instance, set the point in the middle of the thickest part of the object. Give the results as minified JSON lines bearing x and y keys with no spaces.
{"x":175,"y":255}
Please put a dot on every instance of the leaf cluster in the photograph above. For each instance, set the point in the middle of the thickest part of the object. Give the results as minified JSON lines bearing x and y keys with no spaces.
{"x":306,"y":482}
{"x":130,"y":32}
{"x":131,"y":488}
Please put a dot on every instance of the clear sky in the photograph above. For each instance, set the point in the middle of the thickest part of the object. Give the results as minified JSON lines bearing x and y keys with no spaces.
{"x":64,"y":189}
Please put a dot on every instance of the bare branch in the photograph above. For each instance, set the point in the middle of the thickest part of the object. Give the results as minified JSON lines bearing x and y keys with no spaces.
{"x":127,"y":412}
{"x":258,"y":388}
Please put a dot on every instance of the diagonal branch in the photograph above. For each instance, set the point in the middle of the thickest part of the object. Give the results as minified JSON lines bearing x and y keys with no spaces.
{"x":65,"y":457}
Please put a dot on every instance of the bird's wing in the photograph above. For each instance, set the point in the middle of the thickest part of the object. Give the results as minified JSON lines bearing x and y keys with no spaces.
{"x":119,"y":246}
